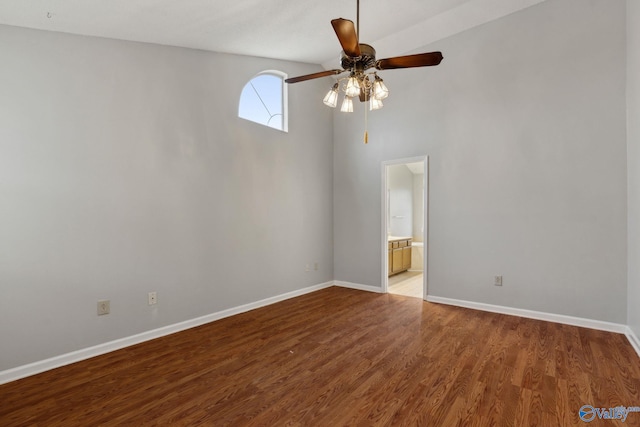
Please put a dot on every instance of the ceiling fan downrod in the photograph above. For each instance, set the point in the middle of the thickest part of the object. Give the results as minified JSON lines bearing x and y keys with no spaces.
{"x":358,"y":18}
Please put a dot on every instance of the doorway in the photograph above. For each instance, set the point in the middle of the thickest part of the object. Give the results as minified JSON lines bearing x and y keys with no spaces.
{"x":404,"y":226}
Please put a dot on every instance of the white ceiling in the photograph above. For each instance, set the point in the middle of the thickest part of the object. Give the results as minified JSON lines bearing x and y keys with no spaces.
{"x":297,"y":30}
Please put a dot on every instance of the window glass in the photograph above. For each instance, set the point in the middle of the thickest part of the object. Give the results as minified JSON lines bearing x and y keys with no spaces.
{"x":263,"y":100}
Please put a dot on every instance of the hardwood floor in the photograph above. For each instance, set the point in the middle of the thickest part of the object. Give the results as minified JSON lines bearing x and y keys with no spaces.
{"x":341,"y":357}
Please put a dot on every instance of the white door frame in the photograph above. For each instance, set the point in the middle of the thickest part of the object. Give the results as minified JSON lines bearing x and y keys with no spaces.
{"x":385,"y":221}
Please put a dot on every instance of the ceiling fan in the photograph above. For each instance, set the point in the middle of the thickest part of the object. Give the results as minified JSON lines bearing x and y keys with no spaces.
{"x":357,"y":59}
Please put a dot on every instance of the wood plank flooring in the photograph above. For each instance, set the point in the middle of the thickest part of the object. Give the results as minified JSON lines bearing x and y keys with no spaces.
{"x":341,"y":357}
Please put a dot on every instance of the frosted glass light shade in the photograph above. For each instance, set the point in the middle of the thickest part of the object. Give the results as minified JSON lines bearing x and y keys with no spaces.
{"x":380,"y":90}
{"x":347,"y":105}
{"x":331,"y":98}
{"x":375,"y":104}
{"x":353,"y":87}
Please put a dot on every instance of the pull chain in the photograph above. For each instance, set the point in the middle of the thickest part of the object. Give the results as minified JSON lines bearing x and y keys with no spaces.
{"x":366,"y":133}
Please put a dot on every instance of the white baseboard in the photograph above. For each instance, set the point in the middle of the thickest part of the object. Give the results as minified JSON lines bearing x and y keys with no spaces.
{"x":538,"y":315}
{"x":358,"y":286}
{"x":86,"y":353}
{"x":633,"y":339}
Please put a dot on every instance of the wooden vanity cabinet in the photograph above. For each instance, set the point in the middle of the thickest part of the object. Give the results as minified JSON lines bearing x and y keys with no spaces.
{"x":399,"y":255}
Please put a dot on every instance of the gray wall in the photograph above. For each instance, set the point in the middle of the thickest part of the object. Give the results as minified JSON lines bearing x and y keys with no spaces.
{"x":124,"y":169}
{"x":524,"y":125}
{"x":633,"y":162}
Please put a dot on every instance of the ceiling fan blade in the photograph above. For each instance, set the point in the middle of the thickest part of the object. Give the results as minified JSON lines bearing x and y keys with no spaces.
{"x":410,"y":61}
{"x":346,"y":32}
{"x":313,"y":76}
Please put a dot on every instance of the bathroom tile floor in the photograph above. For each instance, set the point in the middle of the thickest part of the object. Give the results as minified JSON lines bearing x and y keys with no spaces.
{"x":408,"y":284}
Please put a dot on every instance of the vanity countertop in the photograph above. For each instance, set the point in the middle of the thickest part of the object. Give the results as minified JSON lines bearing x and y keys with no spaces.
{"x":396,"y":238}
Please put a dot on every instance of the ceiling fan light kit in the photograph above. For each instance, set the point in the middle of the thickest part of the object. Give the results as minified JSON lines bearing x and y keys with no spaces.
{"x":347,"y":105}
{"x":331,"y":98}
{"x":380,"y":90}
{"x":362,"y":86}
{"x":353,"y":86}
{"x":375,"y":104}
{"x":357,"y":58}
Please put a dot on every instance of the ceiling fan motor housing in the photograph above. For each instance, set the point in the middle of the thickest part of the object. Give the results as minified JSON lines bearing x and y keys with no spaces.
{"x":366,"y":60}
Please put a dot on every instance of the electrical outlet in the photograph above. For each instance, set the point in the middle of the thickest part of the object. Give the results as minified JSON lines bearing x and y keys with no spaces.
{"x":307,"y":268}
{"x":104,"y":307}
{"x":315,"y":266}
{"x":153,"y":298}
{"x":497,"y":280}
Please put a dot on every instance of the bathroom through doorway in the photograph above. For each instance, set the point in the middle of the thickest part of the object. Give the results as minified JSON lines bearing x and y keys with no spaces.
{"x":405,"y":231}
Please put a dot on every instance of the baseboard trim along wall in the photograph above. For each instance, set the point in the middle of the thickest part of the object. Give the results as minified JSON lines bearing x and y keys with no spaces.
{"x":79,"y":355}
{"x":358,"y":286}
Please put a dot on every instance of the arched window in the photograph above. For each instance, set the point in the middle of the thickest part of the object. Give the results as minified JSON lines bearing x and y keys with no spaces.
{"x":264,"y":100}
